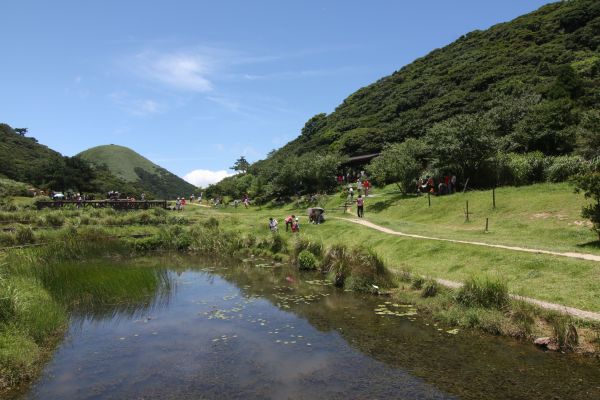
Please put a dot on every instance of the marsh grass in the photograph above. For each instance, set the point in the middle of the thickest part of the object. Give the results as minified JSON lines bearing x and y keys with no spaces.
{"x":97,"y":288}
{"x":483,"y":292}
{"x":565,"y":332}
{"x":358,"y":269}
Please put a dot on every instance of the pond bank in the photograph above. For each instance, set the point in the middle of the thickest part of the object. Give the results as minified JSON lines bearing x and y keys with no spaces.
{"x":261,"y":329}
{"x":350,"y":268}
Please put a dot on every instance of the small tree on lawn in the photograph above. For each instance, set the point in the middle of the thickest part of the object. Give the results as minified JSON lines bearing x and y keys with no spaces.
{"x":590,"y":185}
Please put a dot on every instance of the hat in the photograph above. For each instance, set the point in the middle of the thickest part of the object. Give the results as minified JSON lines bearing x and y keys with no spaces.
{"x":296,"y":218}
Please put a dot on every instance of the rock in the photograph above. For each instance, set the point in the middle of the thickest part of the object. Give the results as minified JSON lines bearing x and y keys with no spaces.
{"x":543,"y":341}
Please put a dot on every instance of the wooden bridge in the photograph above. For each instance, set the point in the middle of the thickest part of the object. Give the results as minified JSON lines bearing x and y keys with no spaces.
{"x":116,"y":204}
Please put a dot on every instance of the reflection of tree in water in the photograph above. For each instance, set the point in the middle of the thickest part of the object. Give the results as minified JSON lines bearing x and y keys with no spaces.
{"x":468,"y":365}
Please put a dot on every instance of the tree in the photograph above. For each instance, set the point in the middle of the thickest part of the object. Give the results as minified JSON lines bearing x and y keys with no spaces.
{"x":241,"y":165}
{"x":588,"y":134}
{"x":460,"y":145}
{"x":590,"y":185}
{"x":21,"y":131}
{"x":400,"y":164}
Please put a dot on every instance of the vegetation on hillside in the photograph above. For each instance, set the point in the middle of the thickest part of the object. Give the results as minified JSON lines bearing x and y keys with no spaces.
{"x":23,"y":159}
{"x":132,"y":167}
{"x":529,"y":86}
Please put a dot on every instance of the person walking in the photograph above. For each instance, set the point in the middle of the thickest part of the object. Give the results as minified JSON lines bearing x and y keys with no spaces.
{"x":360,"y":202}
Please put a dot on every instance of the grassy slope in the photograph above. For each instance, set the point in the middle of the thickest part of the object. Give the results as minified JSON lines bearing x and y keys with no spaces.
{"x":538,"y":216}
{"x":121,"y":161}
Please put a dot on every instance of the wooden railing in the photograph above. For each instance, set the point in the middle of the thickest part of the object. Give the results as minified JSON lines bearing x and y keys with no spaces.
{"x":116,"y":204}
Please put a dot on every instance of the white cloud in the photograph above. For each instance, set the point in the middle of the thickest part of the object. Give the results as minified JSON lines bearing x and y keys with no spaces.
{"x":135,"y":106}
{"x":185,"y":71}
{"x":204,"y":177}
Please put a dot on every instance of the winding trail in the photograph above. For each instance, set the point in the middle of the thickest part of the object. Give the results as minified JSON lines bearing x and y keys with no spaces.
{"x":582,"y":256}
{"x":453,"y":284}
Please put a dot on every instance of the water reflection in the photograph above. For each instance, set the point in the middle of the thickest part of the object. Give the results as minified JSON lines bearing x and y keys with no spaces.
{"x":269,"y":332}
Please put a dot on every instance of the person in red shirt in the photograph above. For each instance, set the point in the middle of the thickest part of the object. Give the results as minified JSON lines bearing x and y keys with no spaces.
{"x":367,"y":186}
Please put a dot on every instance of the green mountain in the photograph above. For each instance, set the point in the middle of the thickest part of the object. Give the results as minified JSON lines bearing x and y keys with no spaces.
{"x":132,"y":167}
{"x":531,"y":84}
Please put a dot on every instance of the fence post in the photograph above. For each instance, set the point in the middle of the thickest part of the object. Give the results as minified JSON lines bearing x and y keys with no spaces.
{"x":486,"y":224}
{"x":467,"y":211}
{"x":494,"y":198}
{"x":429,"y":198}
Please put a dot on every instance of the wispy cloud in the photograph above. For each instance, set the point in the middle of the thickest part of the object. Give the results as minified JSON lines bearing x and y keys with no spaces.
{"x":135,"y":106}
{"x":205,"y":177}
{"x":185,"y":69}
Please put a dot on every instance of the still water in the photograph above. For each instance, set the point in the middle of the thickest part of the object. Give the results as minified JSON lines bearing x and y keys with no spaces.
{"x":258,"y":331}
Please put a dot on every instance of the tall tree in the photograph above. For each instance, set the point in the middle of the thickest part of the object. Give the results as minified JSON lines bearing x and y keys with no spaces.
{"x":241,"y":165}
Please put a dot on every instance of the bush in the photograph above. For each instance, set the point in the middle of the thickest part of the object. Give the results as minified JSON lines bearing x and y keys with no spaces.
{"x":430,"y":288}
{"x":562,"y":168}
{"x":302,"y":243}
{"x":24,"y":235}
{"x":417,"y":282}
{"x":486,"y":293}
{"x":54,"y":219}
{"x":358,"y":269}
{"x":521,"y":169}
{"x":278,"y":243}
{"x":565,"y":332}
{"x":307,"y":260}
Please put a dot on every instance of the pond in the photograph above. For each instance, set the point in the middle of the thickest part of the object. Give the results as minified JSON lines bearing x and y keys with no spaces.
{"x":254,"y":330}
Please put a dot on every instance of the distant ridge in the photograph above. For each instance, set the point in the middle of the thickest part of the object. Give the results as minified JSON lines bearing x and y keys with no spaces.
{"x":133,"y":167}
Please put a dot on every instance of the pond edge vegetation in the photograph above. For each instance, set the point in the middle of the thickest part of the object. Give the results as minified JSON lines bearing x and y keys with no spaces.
{"x":34,"y":303}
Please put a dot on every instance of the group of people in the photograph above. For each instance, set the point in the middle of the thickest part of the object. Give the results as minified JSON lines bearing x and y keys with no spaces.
{"x":445,"y":185}
{"x":291,"y":223}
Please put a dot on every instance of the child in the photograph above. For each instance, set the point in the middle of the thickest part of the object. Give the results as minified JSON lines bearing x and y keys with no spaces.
{"x":295,"y":226}
{"x":273,"y":224}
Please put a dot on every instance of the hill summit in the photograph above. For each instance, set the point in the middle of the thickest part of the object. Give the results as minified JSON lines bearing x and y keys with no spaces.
{"x":133,"y":167}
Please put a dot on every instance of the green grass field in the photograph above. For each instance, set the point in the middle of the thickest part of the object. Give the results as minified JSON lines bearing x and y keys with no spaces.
{"x":544,"y":216}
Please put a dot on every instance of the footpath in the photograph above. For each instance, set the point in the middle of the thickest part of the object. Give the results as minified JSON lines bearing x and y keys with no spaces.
{"x":453,"y":284}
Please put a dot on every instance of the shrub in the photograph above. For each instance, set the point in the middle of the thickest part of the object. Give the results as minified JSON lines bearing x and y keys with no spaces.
{"x":521,"y":169}
{"x":417,"y":282}
{"x":302,"y":243}
{"x":565,"y":332}
{"x":562,"y":168}
{"x":54,"y":219}
{"x":211,"y":222}
{"x":278,"y":243}
{"x":24,"y":235}
{"x":430,"y":288}
{"x":358,"y":269}
{"x":487,"y":293}
{"x":307,"y":260}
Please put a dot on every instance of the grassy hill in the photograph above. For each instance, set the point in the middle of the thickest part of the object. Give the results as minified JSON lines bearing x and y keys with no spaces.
{"x":524,"y":86}
{"x":132,"y":167}
{"x":23,"y":159}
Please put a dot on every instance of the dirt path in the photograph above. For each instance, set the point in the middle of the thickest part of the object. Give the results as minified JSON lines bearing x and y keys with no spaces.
{"x":582,"y":256}
{"x":453,"y":284}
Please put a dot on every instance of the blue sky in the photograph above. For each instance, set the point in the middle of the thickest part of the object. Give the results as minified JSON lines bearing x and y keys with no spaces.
{"x":192,"y":85}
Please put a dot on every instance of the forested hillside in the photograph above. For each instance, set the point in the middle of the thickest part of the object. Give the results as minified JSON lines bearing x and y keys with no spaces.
{"x":521,"y":87}
{"x":132,"y":167}
{"x":23,"y":159}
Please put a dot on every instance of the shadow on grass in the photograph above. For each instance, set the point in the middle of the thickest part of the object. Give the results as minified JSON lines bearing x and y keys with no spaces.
{"x":385,"y":204}
{"x":590,"y":245}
